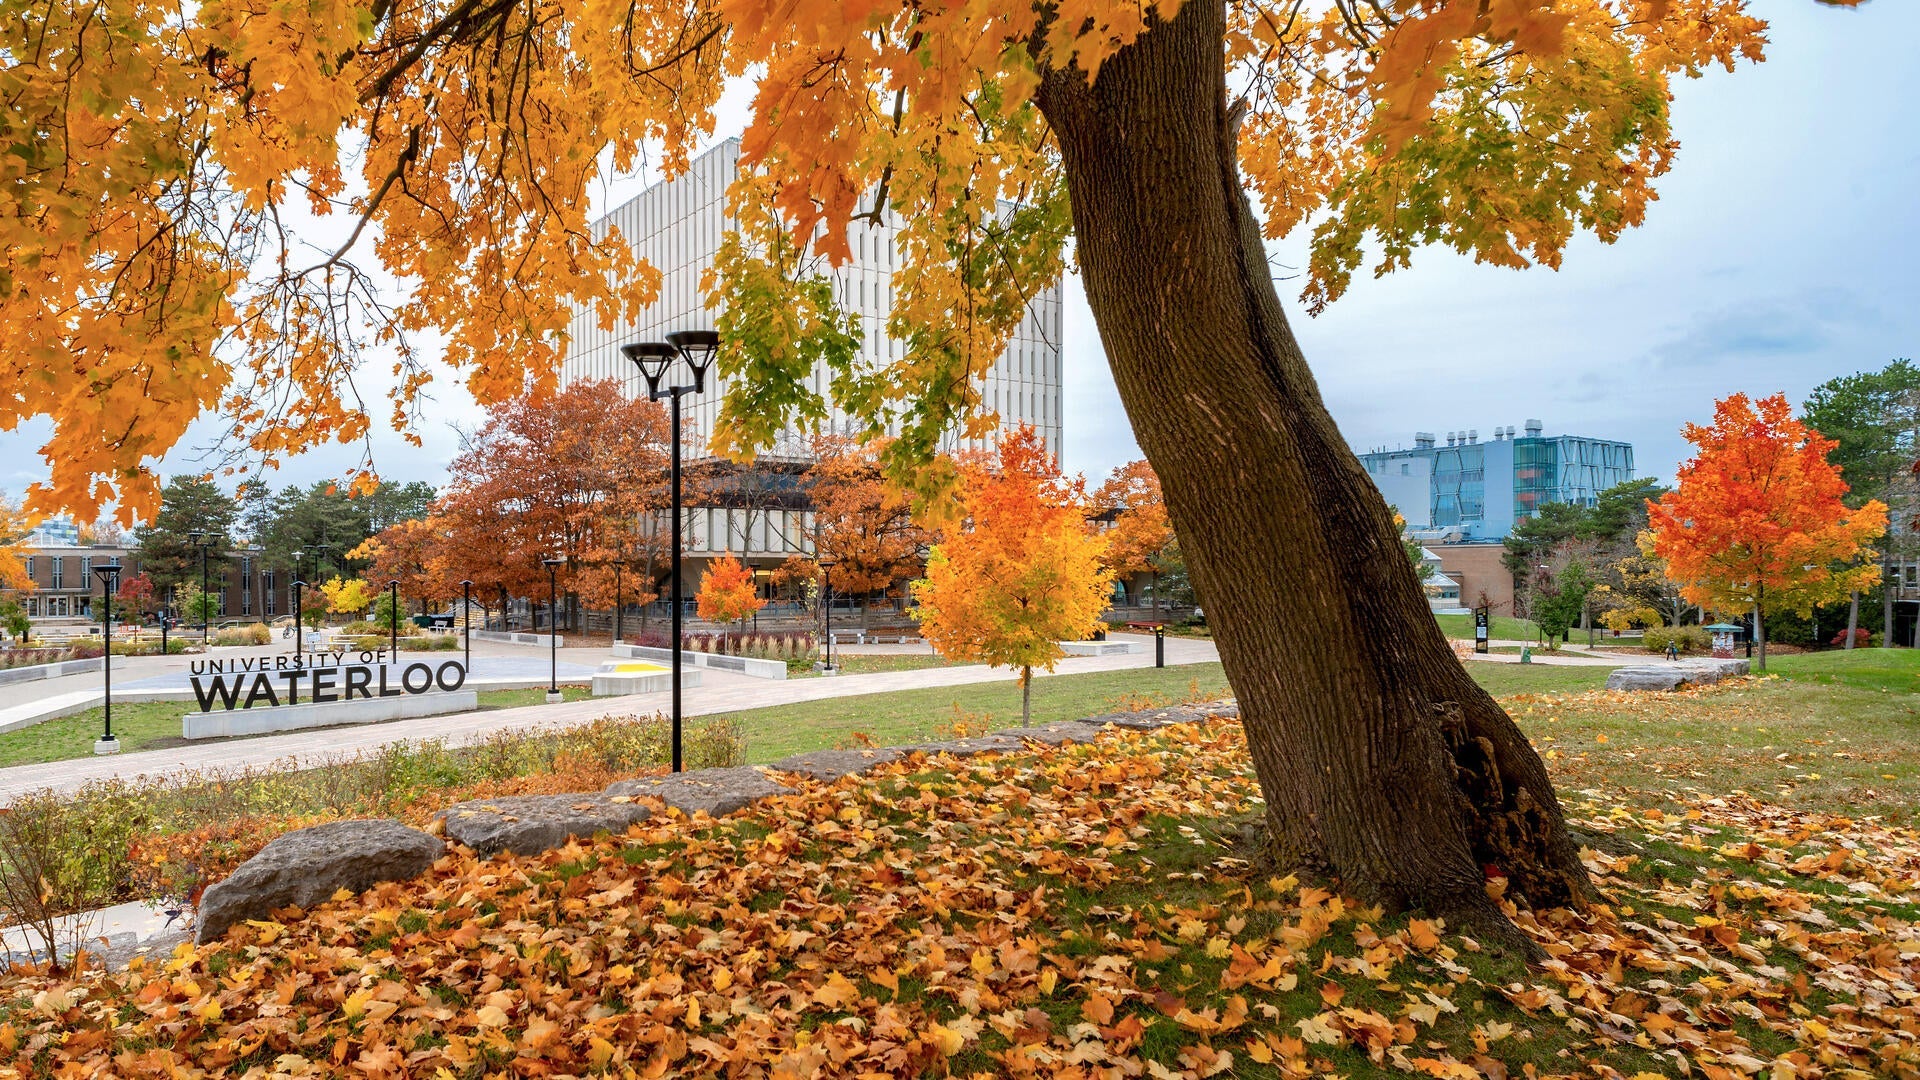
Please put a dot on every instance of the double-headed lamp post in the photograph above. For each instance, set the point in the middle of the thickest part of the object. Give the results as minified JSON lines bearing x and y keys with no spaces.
{"x":654,"y":359}
{"x":553,"y":639}
{"x":108,"y":576}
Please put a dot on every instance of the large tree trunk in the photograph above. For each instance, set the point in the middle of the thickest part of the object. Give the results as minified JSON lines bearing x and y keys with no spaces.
{"x":1381,"y":760}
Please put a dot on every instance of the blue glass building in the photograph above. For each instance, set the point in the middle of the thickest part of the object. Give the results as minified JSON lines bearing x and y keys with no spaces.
{"x":1472,"y":490}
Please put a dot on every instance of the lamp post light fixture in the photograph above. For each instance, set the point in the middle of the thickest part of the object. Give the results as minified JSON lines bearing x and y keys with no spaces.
{"x":654,"y":359}
{"x":393,"y":620}
{"x":466,"y":624}
{"x":107,"y":744}
{"x":553,"y":639}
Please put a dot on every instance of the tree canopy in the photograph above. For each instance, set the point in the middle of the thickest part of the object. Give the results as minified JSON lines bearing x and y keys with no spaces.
{"x":155,"y":269}
{"x":1758,"y":518}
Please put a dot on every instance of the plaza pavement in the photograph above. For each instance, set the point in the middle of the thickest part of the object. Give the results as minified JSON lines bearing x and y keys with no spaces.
{"x":719,"y":692}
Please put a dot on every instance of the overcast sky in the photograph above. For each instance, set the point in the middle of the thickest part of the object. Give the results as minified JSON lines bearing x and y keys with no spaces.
{"x":1781,"y":253}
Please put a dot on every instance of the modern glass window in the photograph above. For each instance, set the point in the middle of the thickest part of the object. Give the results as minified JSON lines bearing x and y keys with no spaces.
{"x":59,"y":564}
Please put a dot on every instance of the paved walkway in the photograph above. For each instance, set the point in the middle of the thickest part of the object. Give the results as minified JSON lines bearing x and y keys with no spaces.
{"x":719,"y":692}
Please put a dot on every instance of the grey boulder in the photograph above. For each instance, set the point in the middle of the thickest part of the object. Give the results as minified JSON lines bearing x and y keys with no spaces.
{"x":306,"y":867}
{"x":531,"y":824}
{"x":1059,"y":733}
{"x":831,"y":765}
{"x":1675,"y":676}
{"x":707,"y":791}
{"x":1000,"y":742}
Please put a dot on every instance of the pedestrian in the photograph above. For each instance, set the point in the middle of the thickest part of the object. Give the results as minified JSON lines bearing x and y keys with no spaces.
{"x":1673,"y":650}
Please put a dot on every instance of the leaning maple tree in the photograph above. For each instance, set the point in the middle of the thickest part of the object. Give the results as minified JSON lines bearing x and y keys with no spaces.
{"x":149,"y":273}
{"x":1757,"y":522}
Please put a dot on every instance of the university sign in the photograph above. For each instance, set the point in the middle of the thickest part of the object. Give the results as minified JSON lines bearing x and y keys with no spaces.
{"x":316,"y":678}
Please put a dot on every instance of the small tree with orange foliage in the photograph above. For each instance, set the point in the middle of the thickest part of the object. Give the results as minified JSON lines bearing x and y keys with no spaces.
{"x":1021,"y":573}
{"x":1758,"y":520}
{"x":1140,"y":531}
{"x":727,"y":593}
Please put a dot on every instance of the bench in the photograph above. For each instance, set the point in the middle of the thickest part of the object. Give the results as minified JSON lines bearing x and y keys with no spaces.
{"x":1145,"y":625}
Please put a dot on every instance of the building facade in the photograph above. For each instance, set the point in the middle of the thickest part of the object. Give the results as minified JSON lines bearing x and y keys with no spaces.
{"x":1469,"y":490}
{"x":66,"y":589}
{"x":677,"y":226}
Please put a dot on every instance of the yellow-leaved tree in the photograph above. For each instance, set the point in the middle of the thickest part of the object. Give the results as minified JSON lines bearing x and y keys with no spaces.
{"x":152,"y":269}
{"x":346,"y":596}
{"x":1020,"y":572}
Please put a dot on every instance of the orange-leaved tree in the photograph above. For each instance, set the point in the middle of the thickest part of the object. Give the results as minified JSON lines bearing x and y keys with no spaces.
{"x":1758,"y":522}
{"x":412,"y":552}
{"x":727,"y":592}
{"x":458,"y":143}
{"x":863,"y":524}
{"x":579,"y":473}
{"x":1020,"y":572}
{"x":1138,"y":532}
{"x":15,"y":526}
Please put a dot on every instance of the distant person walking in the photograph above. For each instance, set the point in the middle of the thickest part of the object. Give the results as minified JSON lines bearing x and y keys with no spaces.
{"x":1673,"y":650}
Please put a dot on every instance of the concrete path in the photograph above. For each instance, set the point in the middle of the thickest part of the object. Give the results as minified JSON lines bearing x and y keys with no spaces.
{"x":721,"y":692}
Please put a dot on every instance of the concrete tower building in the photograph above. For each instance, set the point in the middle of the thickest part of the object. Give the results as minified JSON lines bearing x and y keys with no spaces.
{"x":676,"y":225}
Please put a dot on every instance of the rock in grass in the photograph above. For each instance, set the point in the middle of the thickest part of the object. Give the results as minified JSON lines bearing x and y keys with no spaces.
{"x":1674,"y":676}
{"x":708,"y":791}
{"x":1000,"y":742}
{"x":531,"y":824}
{"x":306,"y":867}
{"x":831,"y":765}
{"x":1059,"y":733}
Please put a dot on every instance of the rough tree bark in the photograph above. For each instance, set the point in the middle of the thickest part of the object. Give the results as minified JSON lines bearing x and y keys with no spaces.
{"x":1381,"y":760}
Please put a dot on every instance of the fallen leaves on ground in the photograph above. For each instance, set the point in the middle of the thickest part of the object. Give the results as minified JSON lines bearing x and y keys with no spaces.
{"x":1080,"y":912}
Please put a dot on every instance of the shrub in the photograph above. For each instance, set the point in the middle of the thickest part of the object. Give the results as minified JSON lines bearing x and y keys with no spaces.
{"x":369,"y":627}
{"x":1861,"y":637}
{"x":168,"y":838}
{"x":1689,"y":639}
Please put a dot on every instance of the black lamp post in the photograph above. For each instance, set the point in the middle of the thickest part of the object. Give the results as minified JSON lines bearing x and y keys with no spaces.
{"x":299,"y":629}
{"x":654,"y":358}
{"x":466,"y":624}
{"x":553,"y":639}
{"x":199,"y":540}
{"x":393,"y":619}
{"x":166,"y":612}
{"x":107,"y":574}
{"x":826,"y":612}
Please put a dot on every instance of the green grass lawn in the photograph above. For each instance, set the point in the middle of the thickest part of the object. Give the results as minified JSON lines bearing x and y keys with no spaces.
{"x":867,"y":664}
{"x":1461,"y":626}
{"x":1830,"y":731}
{"x":151,"y":725}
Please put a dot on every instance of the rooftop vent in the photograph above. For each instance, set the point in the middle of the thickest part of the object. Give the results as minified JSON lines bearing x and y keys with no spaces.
{"x":1473,"y":436}
{"x":1534,"y":427}
{"x":1423,"y":440}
